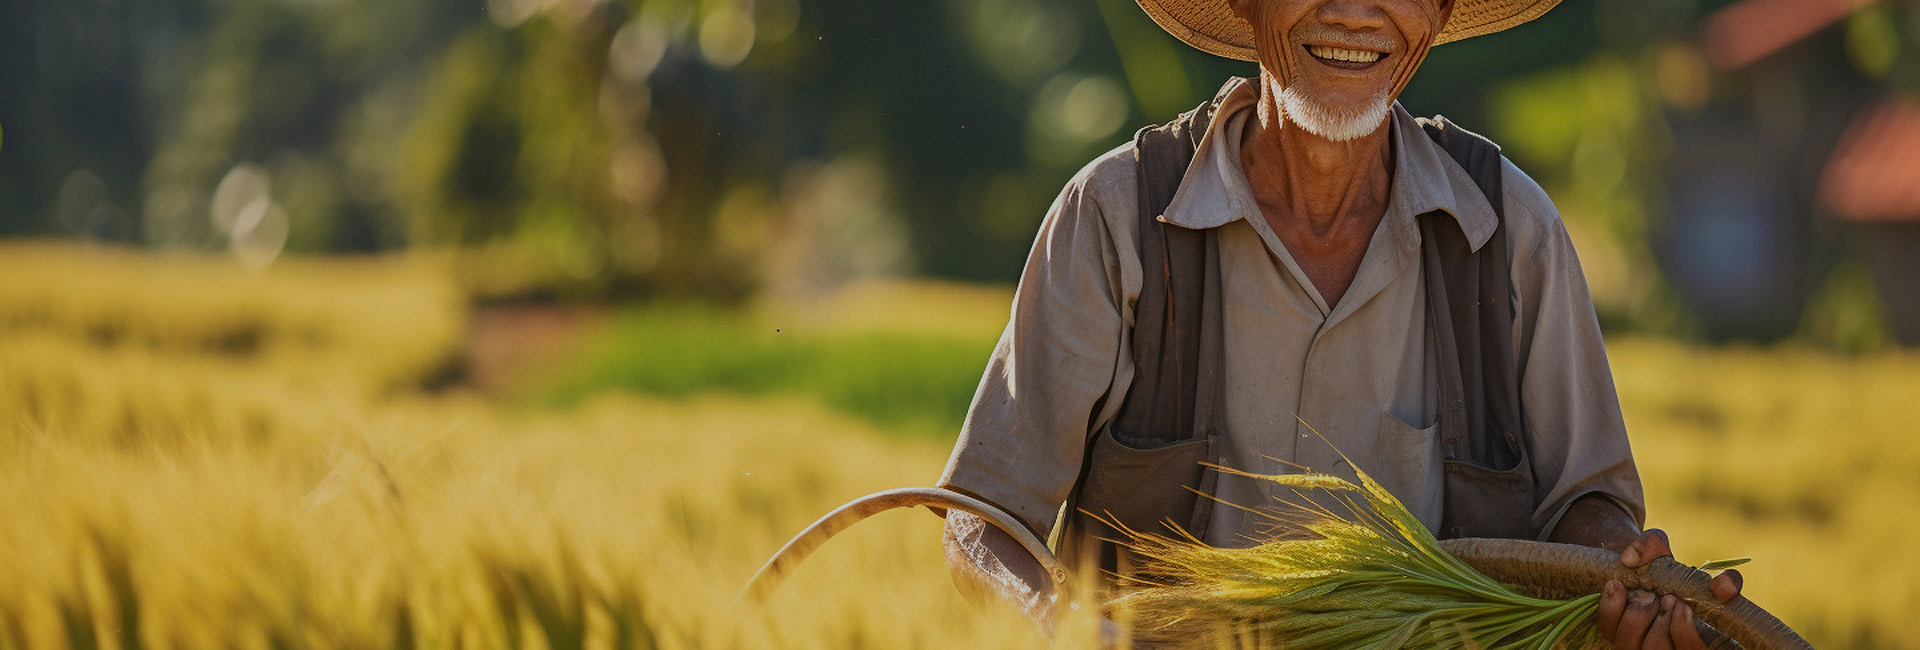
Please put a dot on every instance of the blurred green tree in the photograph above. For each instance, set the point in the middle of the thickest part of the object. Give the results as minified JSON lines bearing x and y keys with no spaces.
{"x":617,"y":147}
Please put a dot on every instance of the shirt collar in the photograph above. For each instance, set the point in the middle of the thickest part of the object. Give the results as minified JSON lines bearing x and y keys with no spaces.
{"x":1215,"y":190}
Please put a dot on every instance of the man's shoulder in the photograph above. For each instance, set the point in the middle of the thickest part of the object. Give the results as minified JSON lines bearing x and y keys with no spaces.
{"x":1535,"y":208}
{"x":1110,"y":175}
{"x":1526,"y":203}
{"x":1104,"y":188}
{"x":1532,"y":220}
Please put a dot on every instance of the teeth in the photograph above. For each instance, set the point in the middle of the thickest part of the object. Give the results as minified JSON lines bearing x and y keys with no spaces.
{"x":1342,"y":54}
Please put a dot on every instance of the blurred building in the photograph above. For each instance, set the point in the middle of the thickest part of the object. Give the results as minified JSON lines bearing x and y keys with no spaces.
{"x":1806,"y":144}
{"x":1872,"y":184}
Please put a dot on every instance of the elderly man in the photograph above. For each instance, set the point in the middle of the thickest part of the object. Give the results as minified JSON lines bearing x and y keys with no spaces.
{"x":1302,"y":255}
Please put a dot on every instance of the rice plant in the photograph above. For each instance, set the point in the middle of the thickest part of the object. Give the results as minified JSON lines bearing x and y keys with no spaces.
{"x":1353,"y":569}
{"x":192,"y":457}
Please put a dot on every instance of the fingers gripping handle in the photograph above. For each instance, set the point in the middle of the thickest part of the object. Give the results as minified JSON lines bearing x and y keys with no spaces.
{"x":845,"y":516}
{"x":1547,"y":570}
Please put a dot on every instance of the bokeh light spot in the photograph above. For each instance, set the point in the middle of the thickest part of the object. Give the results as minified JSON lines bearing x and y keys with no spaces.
{"x":259,"y":233}
{"x":1873,"y":41}
{"x":1681,"y":74}
{"x":1077,"y":109}
{"x":637,"y":171}
{"x":510,"y":13}
{"x":776,"y":19}
{"x":243,"y":186}
{"x":726,"y":36}
{"x":636,"y":50}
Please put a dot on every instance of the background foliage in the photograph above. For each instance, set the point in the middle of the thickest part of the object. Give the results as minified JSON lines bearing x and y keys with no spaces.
{"x":716,"y":148}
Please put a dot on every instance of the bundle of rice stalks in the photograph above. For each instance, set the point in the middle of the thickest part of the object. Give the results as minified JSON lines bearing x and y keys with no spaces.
{"x":1353,"y":569}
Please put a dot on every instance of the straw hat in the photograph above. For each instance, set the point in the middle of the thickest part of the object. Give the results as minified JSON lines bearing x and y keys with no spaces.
{"x":1211,"y":25}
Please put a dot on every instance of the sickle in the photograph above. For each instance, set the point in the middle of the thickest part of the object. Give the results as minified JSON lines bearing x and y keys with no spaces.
{"x":847,"y":515}
{"x":1539,"y":569}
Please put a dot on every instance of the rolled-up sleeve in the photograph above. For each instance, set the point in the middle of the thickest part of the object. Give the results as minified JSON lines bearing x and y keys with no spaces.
{"x":1576,"y":436}
{"x":1025,"y":434}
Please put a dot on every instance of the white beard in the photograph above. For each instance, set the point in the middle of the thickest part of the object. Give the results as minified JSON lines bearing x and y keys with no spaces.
{"x":1335,"y":125}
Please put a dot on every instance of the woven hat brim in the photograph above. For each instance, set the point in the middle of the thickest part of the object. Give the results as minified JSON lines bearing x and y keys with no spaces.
{"x":1211,"y":26}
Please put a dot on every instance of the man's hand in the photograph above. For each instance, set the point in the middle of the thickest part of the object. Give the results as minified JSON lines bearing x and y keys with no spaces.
{"x":988,"y":565}
{"x":1640,"y":620}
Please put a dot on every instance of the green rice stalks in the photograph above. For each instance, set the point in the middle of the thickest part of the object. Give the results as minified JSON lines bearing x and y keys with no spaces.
{"x":1351,"y":569}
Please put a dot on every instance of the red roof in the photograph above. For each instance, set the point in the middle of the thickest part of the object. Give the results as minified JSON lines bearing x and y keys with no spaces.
{"x":1874,"y":175}
{"x":1748,"y":31}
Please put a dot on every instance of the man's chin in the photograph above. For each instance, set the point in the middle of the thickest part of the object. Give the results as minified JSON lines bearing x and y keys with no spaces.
{"x":1336,"y":123}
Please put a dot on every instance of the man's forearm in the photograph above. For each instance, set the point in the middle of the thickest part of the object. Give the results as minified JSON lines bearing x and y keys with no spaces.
{"x":987,"y":564}
{"x":1595,"y":520}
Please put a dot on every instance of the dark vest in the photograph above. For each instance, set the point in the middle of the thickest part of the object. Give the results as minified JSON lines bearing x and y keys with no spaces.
{"x":1144,"y":471}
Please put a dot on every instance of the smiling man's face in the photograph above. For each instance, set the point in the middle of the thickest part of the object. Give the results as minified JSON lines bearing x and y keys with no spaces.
{"x":1340,"y":63}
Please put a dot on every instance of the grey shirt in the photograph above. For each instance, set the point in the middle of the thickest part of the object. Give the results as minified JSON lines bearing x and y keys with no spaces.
{"x":1361,"y":372}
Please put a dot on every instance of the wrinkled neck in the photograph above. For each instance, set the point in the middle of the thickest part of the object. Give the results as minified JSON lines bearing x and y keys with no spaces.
{"x":1305,"y":176}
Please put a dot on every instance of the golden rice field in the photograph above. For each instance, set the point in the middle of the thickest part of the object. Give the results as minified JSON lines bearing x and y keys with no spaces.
{"x":197,"y":456}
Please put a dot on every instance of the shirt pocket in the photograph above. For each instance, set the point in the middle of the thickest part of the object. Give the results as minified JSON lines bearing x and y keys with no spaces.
{"x":1141,"y":483}
{"x":1485,"y":502}
{"x":1406,"y":460}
